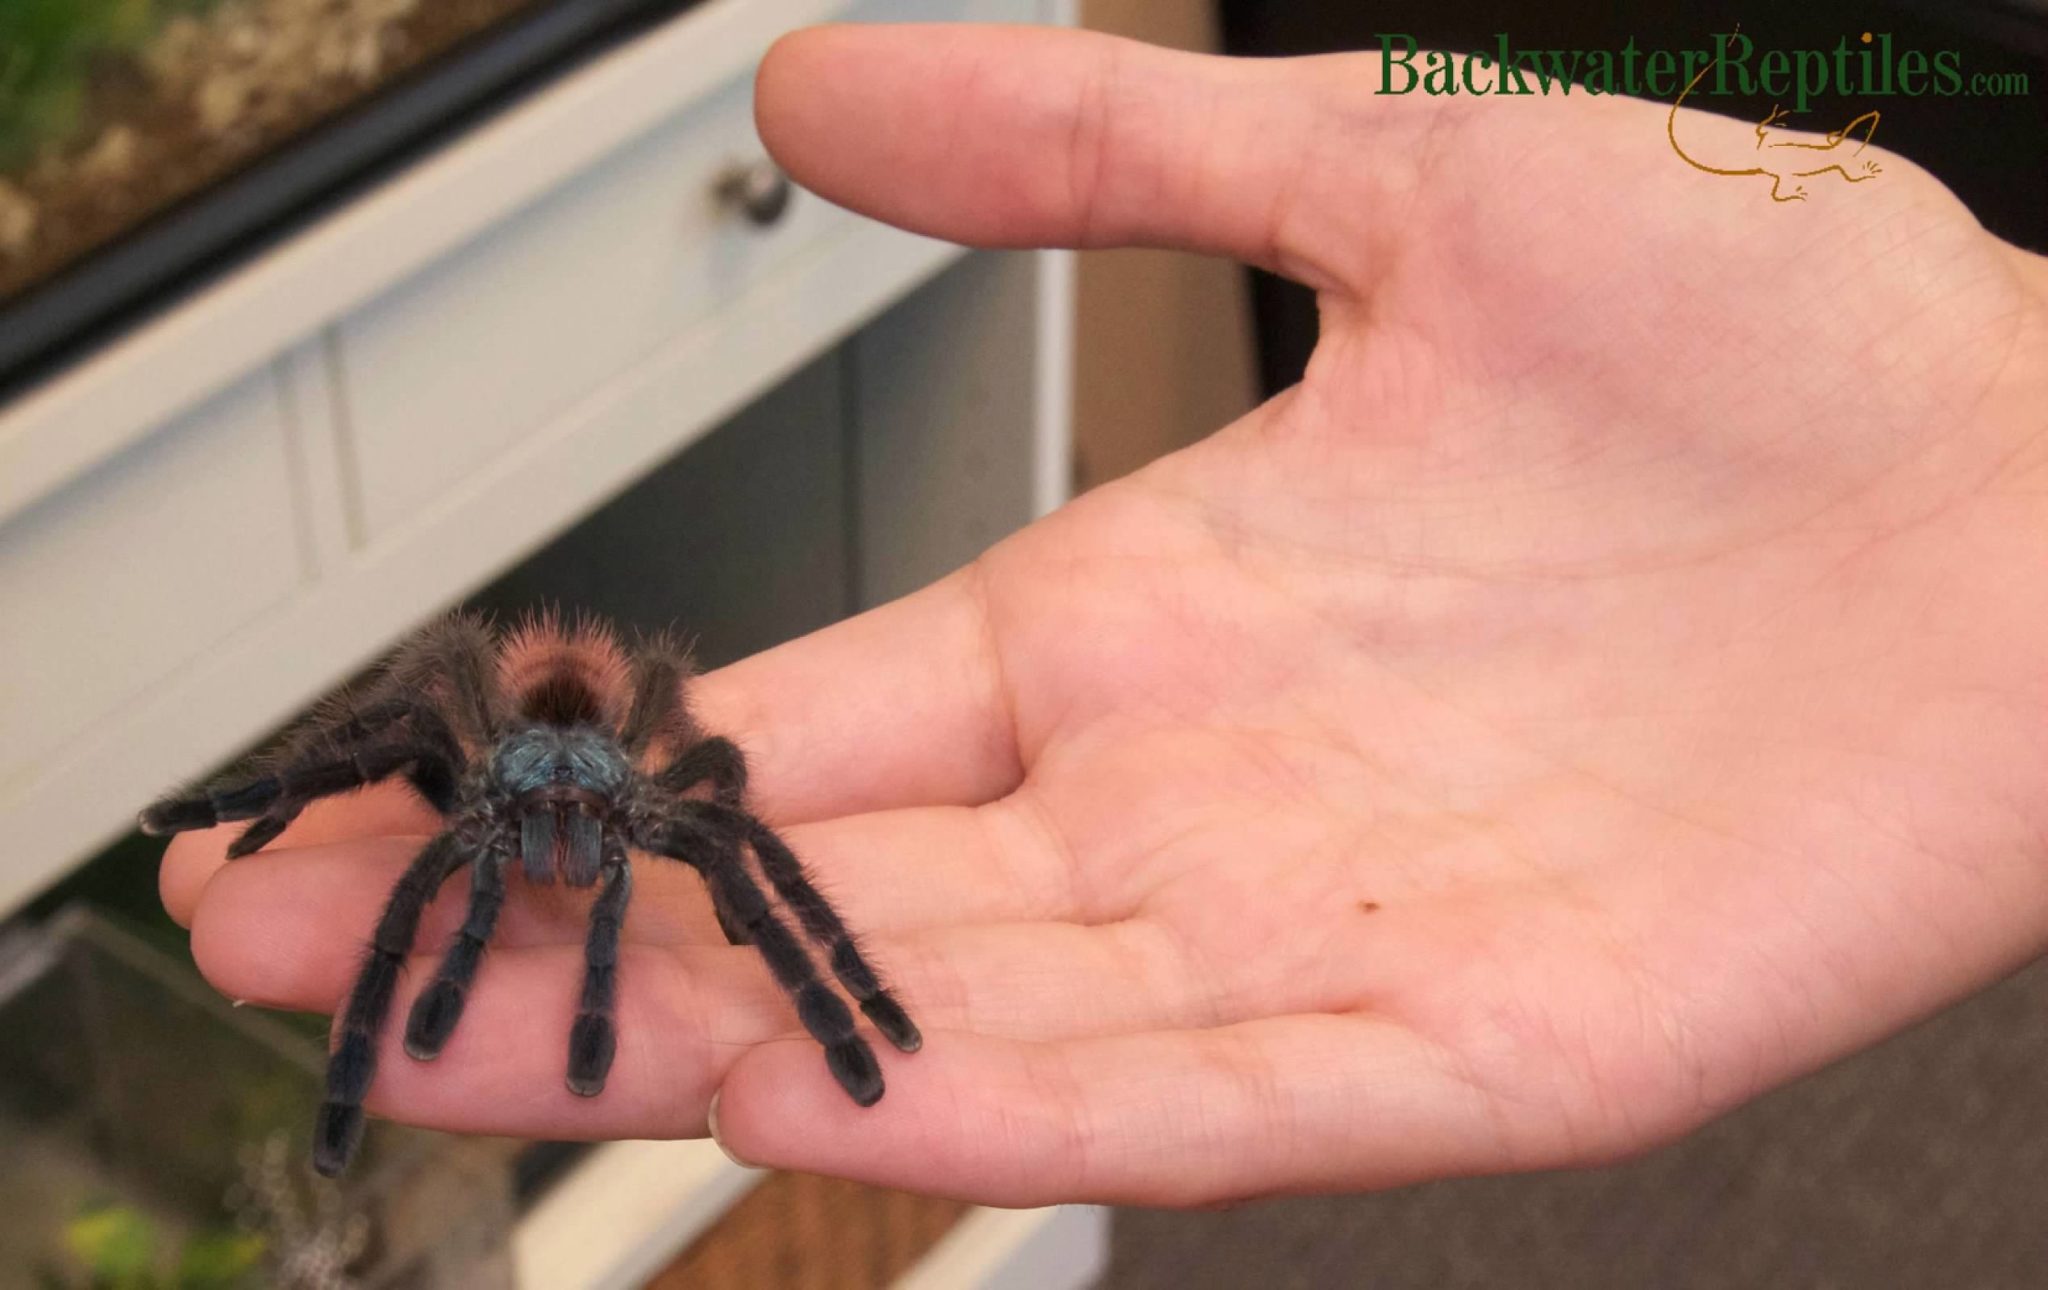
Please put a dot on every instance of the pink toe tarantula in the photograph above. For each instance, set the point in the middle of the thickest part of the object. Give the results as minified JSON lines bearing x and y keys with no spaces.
{"x":553,"y":752}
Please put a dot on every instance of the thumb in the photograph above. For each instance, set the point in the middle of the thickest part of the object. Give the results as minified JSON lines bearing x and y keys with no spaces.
{"x":1026,"y":136}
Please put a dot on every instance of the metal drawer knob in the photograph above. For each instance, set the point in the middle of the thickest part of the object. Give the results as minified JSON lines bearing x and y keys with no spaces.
{"x":758,"y":190}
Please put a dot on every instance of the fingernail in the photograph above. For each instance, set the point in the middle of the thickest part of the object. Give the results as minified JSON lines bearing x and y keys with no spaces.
{"x":711,"y":1120}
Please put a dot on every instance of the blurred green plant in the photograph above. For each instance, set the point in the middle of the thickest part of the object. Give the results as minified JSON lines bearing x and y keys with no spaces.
{"x":47,"y":48}
{"x":118,"y":1248}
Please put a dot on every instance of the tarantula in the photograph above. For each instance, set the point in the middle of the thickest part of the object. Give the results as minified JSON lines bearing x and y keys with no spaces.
{"x":558,"y":749}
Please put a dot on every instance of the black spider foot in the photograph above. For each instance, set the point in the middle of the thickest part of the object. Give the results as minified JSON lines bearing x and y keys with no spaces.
{"x":894,"y":1023}
{"x":339,"y":1130}
{"x":593,"y":1041}
{"x":432,"y":1020}
{"x":336,"y":1135}
{"x":207,"y":809}
{"x":256,"y":837}
{"x":853,"y":1064}
{"x":176,"y":815}
{"x":736,"y":932}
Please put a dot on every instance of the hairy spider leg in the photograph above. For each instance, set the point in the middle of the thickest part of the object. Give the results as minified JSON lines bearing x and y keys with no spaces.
{"x":715,"y":856}
{"x":299,"y":783}
{"x":717,"y":760}
{"x":439,"y":1006}
{"x":433,"y":778}
{"x":274,"y":800}
{"x":657,"y":709}
{"x":225,"y":803}
{"x":736,"y":935}
{"x":593,"y":1038}
{"x":460,"y":652}
{"x":339,"y":1129}
{"x":820,"y":922}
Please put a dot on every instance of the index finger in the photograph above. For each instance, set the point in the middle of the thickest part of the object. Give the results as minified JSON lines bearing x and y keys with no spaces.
{"x":904,"y":705}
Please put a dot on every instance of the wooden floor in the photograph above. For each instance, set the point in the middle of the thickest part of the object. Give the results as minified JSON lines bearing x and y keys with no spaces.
{"x":802,"y":1232}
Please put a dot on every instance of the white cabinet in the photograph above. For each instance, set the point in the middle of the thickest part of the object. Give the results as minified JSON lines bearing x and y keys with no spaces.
{"x":114,"y":583}
{"x":467,"y":360}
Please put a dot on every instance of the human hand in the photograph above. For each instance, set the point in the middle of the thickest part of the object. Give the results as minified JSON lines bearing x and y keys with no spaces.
{"x":1607,"y":687}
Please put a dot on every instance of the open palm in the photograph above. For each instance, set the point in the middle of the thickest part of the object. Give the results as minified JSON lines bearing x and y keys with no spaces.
{"x":1606,"y":687}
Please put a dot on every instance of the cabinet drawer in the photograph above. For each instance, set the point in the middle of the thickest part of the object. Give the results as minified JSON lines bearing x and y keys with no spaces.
{"x":468,"y":359}
{"x":112,"y":584}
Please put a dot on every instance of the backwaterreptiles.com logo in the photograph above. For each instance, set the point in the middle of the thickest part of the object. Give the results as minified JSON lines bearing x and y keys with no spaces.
{"x":1870,"y":67}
